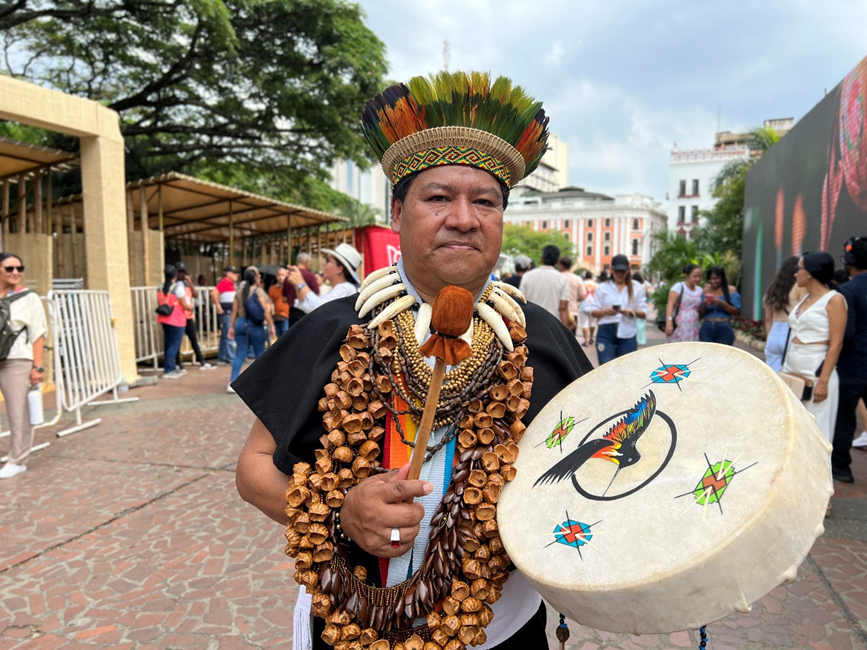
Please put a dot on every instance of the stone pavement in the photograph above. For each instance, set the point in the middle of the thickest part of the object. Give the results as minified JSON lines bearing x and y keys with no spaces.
{"x":131,"y":535}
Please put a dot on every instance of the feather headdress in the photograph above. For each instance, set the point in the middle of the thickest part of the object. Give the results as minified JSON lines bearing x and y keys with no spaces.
{"x":456,"y":118}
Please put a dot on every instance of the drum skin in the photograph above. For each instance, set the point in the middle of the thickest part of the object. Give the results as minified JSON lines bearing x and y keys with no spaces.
{"x":719,"y":494}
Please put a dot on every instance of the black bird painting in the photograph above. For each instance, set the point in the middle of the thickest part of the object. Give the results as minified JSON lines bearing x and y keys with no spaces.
{"x":617,"y":446}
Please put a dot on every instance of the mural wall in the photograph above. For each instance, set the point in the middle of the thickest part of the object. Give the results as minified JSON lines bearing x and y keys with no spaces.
{"x":809,"y":192}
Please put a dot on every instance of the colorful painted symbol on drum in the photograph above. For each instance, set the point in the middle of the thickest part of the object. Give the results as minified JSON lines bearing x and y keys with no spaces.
{"x":617,"y":446}
{"x":573,"y":533}
{"x":713,"y":485}
{"x":670,"y":373}
{"x":561,"y":430}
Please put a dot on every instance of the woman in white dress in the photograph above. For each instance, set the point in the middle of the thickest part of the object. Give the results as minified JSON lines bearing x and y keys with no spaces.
{"x":817,"y":326}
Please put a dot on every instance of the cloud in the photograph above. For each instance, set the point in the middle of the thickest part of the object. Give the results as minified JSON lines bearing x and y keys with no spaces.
{"x":555,"y":54}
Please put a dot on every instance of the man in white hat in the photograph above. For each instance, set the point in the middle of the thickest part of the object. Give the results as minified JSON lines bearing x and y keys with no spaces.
{"x":340,"y":271}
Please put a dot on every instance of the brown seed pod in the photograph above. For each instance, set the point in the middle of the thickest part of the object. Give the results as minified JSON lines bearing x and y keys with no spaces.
{"x":360,"y":572}
{"x":499,"y":392}
{"x":350,"y":632}
{"x":515,"y":387}
{"x":497,"y":479}
{"x":388,"y":342}
{"x":361,"y":468}
{"x":477,"y":478}
{"x":337,"y":438}
{"x":467,"y":438}
{"x":451,"y":605}
{"x":472,"y":569}
{"x":367,"y":383}
{"x":527,"y":373}
{"x":360,"y":403}
{"x":318,"y":533}
{"x":507,"y":370}
{"x":343,"y":455}
{"x":490,"y":462}
{"x":480,"y":590}
{"x":496,"y":562}
{"x":496,"y":546}
{"x":475,"y":406}
{"x":383,"y":384}
{"x":451,"y":625}
{"x":434,"y":620}
{"x":415,"y":641}
{"x":518,"y":356}
{"x":303,"y":561}
{"x":484,"y":420}
{"x":352,"y":423}
{"x":486,"y":616}
{"x":368,"y":636}
{"x":309,"y":579}
{"x":454,"y":644}
{"x":466,"y":421}
{"x":297,"y":495}
{"x":386,"y":328}
{"x":355,"y":387}
{"x":509,"y":472}
{"x":356,"y":439}
{"x":513,"y":404}
{"x":527,"y":393}
{"x":356,"y":369}
{"x":482,"y":555}
{"x":302,"y":468}
{"x":486,"y":436}
{"x":440,"y":637}
{"x":302,"y":523}
{"x":491,"y":493}
{"x":523,"y":408}
{"x":517,"y":429}
{"x":382,"y":644}
{"x":376,"y":434}
{"x":314,"y":482}
{"x":334,"y":499}
{"x":471,"y":543}
{"x":322,"y":405}
{"x":377,"y":409}
{"x":343,"y":399}
{"x":495,"y":591}
{"x":517,"y":333}
{"x":460,"y":590}
{"x":473,"y":496}
{"x":471,"y":604}
{"x":324,"y":465}
{"x":331,"y":390}
{"x":467,"y":634}
{"x":481,"y":637}
{"x":323,"y":552}
{"x":496,"y":409}
{"x":486,"y":511}
{"x":297,"y":480}
{"x":319,"y":511}
{"x":366,"y":421}
{"x":321,"y":605}
{"x":347,"y":353}
{"x":345,"y":478}
{"x":328,"y":482}
{"x":369,"y":451}
{"x":357,"y":342}
{"x":490,"y":529}
{"x":331,"y":634}
{"x":504,"y":454}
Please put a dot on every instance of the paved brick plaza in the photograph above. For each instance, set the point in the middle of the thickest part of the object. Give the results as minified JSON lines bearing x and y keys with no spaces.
{"x":131,"y":535}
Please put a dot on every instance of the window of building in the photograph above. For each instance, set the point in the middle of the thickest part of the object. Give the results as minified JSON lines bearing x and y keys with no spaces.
{"x":607,"y":236}
{"x":589,"y":237}
{"x":635,"y":224}
{"x":590,"y":223}
{"x":544,"y":225}
{"x":695,"y":214}
{"x":608,"y":223}
{"x":606,"y":250}
{"x":682,"y":191}
{"x":695,"y":187}
{"x":681,"y":214}
{"x":567,"y":223}
{"x":589,"y":251}
{"x":635,"y":247}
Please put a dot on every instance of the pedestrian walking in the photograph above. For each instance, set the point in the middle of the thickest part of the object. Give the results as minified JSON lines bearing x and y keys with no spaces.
{"x":522,"y":264}
{"x":250,"y":313}
{"x":852,"y":364}
{"x":577,"y":291}
{"x":302,"y":263}
{"x":22,"y":345}
{"x":585,"y":311}
{"x":617,"y":304}
{"x":681,"y":310}
{"x":548,"y":287}
{"x":190,"y":329}
{"x":223,"y":297}
{"x":721,"y":302}
{"x":779,"y":301}
{"x":172,"y":299}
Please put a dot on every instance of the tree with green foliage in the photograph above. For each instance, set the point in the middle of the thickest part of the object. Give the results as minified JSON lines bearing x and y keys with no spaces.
{"x":523,"y":240}
{"x":273,"y":87}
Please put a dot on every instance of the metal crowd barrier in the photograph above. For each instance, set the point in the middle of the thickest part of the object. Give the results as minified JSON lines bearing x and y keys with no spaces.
{"x":86,"y":357}
{"x":149,"y":346}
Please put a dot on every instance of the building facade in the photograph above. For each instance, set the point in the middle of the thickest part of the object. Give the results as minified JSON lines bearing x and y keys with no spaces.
{"x":367,"y":186}
{"x":599,"y":226}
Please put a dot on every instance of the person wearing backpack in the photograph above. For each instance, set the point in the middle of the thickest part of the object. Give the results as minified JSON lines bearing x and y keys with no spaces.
{"x":172,"y":299}
{"x":250,"y":312}
{"x":21,"y":354}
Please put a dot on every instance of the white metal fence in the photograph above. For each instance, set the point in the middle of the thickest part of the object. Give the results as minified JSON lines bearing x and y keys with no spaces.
{"x":86,"y":357}
{"x":149,"y":345}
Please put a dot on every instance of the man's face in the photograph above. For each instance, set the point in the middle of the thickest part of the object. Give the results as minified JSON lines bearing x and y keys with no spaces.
{"x":232,"y":275}
{"x":450,"y":227}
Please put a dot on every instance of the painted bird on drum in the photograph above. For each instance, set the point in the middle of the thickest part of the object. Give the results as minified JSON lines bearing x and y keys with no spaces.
{"x":617,"y":446}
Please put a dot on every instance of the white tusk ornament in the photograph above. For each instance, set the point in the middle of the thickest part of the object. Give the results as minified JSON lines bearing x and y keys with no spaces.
{"x":392,"y":310}
{"x":505,"y":287}
{"x":380,"y":297}
{"x":422,"y":322}
{"x":376,"y":275}
{"x":376,"y":285}
{"x":494,"y":319}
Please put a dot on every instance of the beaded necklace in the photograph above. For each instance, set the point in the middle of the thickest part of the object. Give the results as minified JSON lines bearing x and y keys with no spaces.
{"x":465,"y":565}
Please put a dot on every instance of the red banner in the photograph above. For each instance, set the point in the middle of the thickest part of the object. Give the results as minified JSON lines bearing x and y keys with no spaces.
{"x":379,"y":246}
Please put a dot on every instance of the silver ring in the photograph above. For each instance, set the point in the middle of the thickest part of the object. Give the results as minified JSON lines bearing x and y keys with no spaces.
{"x":395,"y":537}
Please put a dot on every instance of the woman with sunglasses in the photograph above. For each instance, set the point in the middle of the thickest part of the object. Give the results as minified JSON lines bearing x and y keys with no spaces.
{"x":22,"y":367}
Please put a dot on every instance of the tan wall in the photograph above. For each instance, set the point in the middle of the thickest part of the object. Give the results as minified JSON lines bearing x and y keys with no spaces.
{"x":70,"y":269}
{"x":199,"y":264}
{"x":154,"y":274}
{"x":35,"y":251}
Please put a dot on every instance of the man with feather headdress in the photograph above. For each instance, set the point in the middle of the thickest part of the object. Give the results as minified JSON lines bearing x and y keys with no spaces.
{"x":385,"y":562}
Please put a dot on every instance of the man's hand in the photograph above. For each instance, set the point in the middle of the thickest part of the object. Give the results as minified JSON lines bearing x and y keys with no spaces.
{"x":378,"y":504}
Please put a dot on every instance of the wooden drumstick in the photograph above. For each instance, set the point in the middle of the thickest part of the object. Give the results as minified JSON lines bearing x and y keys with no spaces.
{"x":451,"y":316}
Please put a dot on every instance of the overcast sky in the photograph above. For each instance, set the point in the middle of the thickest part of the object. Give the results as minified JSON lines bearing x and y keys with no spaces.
{"x":623,"y":81}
